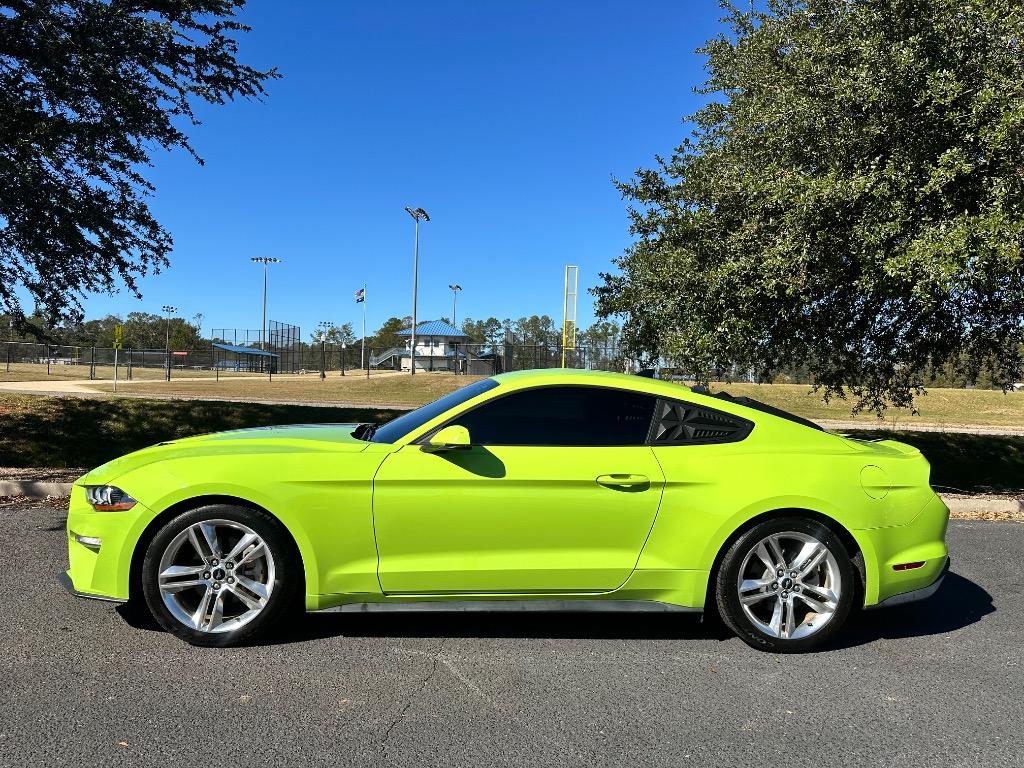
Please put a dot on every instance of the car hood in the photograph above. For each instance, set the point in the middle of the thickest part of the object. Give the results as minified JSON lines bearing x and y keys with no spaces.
{"x":295,"y":438}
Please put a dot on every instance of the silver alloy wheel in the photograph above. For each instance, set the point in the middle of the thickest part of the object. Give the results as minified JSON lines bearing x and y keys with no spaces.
{"x":216,"y":576}
{"x":789,"y":585}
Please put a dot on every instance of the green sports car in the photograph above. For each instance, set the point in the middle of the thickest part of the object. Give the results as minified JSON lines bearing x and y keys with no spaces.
{"x":547,"y":490}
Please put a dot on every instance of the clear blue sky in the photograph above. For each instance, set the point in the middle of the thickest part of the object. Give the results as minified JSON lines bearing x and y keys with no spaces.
{"x":505,"y":120}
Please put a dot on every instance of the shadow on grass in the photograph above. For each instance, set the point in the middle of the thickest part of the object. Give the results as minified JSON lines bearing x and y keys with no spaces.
{"x":38,"y":431}
{"x":964,"y":462}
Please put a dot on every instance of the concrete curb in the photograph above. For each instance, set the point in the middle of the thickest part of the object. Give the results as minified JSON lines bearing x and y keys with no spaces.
{"x":996,"y":505}
{"x":958,"y":504}
{"x":33,"y":488}
{"x":834,"y":425}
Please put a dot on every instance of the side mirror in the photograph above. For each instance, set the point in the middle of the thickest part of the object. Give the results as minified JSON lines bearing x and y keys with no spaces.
{"x":450,"y":438}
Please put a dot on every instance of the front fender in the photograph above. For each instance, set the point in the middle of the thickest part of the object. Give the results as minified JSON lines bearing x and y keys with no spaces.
{"x":323,"y":500}
{"x":225,"y":492}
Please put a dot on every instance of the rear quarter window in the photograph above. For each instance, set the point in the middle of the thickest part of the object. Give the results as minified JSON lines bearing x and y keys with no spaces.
{"x":680,"y":423}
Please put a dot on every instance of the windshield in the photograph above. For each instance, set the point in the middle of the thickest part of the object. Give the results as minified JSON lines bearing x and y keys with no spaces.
{"x":395,"y":429}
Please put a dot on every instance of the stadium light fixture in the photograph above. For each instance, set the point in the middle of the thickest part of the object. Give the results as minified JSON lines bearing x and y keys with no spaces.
{"x":455,"y":295}
{"x":455,"y":287}
{"x":418,"y":214}
{"x":265,"y":261}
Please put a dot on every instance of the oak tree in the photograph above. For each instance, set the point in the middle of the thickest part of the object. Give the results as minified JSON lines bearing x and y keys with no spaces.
{"x":850,"y":199}
{"x":88,"y":90}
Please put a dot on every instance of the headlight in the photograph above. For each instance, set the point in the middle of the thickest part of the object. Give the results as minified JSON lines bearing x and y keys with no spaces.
{"x":107,"y":498}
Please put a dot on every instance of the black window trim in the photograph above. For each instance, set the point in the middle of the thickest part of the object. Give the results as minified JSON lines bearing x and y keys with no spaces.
{"x":649,"y":442}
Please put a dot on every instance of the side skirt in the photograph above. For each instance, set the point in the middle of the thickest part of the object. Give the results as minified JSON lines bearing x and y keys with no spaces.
{"x":532,"y":606}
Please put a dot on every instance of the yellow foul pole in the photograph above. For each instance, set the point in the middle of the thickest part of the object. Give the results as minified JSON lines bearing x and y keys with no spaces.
{"x":572,"y":280}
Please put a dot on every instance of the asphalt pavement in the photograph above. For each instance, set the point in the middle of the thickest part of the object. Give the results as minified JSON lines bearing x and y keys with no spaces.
{"x":938,"y":683}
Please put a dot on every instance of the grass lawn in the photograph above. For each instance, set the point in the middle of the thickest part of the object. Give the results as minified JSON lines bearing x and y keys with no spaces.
{"x":404,"y":390}
{"x":963,"y":407}
{"x":939,"y":406}
{"x":40,"y":431}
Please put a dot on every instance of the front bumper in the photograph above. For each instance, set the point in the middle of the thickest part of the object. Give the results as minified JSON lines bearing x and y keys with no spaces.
{"x":65,"y":579}
{"x":100,"y":547}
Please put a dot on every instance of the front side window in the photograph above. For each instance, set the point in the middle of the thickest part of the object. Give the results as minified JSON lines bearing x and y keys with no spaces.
{"x":561,"y":416}
{"x":397,"y":428}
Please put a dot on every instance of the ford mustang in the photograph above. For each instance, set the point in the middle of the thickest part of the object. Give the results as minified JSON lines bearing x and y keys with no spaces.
{"x":546,"y":490}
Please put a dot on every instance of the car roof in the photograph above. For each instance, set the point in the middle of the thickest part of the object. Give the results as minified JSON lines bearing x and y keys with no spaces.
{"x":547,"y":376}
{"x":743,"y":407}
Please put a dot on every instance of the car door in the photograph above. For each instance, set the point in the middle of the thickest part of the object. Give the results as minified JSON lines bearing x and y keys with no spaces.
{"x":557,"y":493}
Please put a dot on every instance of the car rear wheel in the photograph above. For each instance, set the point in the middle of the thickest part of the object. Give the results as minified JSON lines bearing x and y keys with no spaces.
{"x":220,"y":575}
{"x":786,"y":585}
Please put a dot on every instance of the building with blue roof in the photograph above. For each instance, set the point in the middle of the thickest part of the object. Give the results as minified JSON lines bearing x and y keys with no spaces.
{"x":440,"y":346}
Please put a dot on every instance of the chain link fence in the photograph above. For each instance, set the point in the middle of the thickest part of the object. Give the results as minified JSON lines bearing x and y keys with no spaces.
{"x":30,"y":361}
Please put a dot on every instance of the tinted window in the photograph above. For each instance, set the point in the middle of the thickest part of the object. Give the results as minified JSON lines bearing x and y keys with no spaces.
{"x":403,"y":425}
{"x":561,"y":416}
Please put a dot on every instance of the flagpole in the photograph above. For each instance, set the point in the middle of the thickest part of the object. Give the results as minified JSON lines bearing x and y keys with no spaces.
{"x":362,"y":353}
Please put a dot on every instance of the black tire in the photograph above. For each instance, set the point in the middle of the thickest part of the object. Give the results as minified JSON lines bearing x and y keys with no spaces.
{"x":727,"y":581}
{"x":285,"y":596}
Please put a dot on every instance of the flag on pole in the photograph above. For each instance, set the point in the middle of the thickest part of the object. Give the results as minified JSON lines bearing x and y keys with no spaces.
{"x":360,"y":296}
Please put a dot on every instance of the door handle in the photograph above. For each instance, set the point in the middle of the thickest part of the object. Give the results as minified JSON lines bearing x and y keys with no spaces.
{"x":624,"y":482}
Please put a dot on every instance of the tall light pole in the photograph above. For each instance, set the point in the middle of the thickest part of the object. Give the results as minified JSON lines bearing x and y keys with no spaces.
{"x":265,"y":261}
{"x":168,"y":310}
{"x":455,"y":295}
{"x":419,"y":215}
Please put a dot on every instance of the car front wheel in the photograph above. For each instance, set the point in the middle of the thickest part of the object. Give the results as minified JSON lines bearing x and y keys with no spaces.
{"x":786,"y":585}
{"x":220,"y":575}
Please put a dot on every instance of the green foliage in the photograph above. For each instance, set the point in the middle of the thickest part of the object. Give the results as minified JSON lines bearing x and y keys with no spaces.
{"x":536,"y":330}
{"x":850,"y":200}
{"x":490,"y":331}
{"x":387,"y":336}
{"x":335,"y":334}
{"x":142,"y":330}
{"x":601,"y":333}
{"x":89,"y":88}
